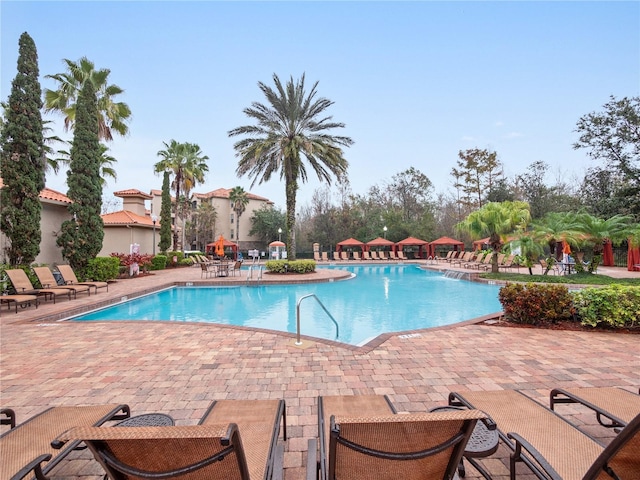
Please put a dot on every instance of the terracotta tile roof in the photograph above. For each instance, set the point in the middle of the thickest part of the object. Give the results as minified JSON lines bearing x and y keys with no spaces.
{"x":224,"y":193}
{"x":49,"y":194}
{"x":125,"y":217}
{"x":132,"y":192}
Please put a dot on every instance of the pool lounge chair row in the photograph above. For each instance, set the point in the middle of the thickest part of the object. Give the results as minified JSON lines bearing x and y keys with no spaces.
{"x":26,"y":294}
{"x":359,"y":437}
{"x":367,"y":255}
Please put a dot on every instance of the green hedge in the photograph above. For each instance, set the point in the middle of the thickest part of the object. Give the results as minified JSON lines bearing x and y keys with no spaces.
{"x":293,"y":266}
{"x":159,"y":262}
{"x":101,"y":269}
{"x":536,"y":304}
{"x":613,"y":306}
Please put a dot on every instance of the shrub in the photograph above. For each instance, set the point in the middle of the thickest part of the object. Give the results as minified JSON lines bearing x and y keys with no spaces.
{"x":159,"y":262}
{"x":100,"y":269}
{"x":186,"y":262}
{"x":294,"y":266}
{"x":615,"y":306}
{"x":178,"y":256}
{"x":536,"y":304}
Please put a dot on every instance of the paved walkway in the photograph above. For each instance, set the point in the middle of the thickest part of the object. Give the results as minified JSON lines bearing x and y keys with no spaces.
{"x":180,"y":368}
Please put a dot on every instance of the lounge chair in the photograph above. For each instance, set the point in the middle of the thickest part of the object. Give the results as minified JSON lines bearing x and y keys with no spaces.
{"x":69,"y":277}
{"x":392,"y":255}
{"x":356,"y":255}
{"x":336,"y":256}
{"x":23,"y":286}
{"x":616,"y":405}
{"x":361,"y":437}
{"x":316,"y":256}
{"x":344,"y":256}
{"x":455,"y":255}
{"x":47,"y":280}
{"x":374,"y":255}
{"x":259,"y":423}
{"x":22,"y":300}
{"x":383,"y":255}
{"x":366,"y":255}
{"x":461,"y":260}
{"x":447,"y":257}
{"x":486,"y":264}
{"x":509,"y":263}
{"x":401,"y":255}
{"x":26,"y":450}
{"x":549,"y":445}
{"x":325,"y":257}
{"x":546,"y":267}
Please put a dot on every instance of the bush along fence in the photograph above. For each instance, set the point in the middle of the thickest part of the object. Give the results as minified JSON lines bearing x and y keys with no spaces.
{"x":293,"y":266}
{"x":615,"y":306}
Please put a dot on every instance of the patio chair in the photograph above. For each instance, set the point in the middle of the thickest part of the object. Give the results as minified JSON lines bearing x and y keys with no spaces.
{"x":23,"y":286}
{"x":366,"y":255}
{"x":235,"y":268}
{"x":383,"y":255}
{"x":365,"y":439}
{"x":259,"y":423}
{"x":546,"y":268}
{"x":616,"y":405}
{"x":316,"y":256}
{"x":23,"y":300}
{"x":551,"y":446}
{"x":392,"y":255}
{"x":401,"y":255}
{"x":336,"y":256}
{"x":461,"y":260}
{"x":356,"y":255}
{"x":26,"y":450}
{"x":69,"y":277}
{"x":344,"y":256}
{"x":193,"y":452}
{"x":447,"y":257}
{"x":325,"y":257}
{"x":47,"y":280}
{"x":374,"y":255}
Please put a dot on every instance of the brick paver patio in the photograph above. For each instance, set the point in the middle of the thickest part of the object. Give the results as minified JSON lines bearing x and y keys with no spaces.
{"x":180,"y":368}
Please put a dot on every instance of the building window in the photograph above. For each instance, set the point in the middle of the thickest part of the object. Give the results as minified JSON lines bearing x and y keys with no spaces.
{"x":231,"y":217}
{"x":231,"y":234}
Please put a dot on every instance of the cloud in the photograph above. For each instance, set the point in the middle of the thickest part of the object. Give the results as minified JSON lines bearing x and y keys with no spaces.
{"x":513,"y":135}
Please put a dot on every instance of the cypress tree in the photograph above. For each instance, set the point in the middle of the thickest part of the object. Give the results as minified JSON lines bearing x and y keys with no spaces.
{"x":81,"y":237}
{"x":21,"y":159}
{"x":165,"y":215}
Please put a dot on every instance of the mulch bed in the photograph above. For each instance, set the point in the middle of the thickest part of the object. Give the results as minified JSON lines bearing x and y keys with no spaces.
{"x":563,"y":325}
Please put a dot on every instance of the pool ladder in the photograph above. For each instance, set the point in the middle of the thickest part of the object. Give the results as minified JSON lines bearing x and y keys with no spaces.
{"x":250,"y":274}
{"x":298,"y":341}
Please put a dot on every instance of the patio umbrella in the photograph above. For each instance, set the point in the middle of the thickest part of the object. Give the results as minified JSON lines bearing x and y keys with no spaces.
{"x":220,"y":246}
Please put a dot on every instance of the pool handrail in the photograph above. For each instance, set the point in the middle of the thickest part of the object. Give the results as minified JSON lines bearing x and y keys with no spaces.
{"x":298,"y":341}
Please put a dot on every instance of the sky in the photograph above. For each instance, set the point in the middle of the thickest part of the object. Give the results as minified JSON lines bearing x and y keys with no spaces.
{"x":414,"y":82}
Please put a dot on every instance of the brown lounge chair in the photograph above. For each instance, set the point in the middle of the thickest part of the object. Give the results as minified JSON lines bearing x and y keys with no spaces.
{"x":26,"y":450}
{"x":362,"y":437}
{"x":616,"y":405}
{"x":551,"y":446}
{"x":23,"y":300}
{"x":69,"y":277}
{"x":245,"y":446}
{"x":23,"y":286}
{"x":47,"y":280}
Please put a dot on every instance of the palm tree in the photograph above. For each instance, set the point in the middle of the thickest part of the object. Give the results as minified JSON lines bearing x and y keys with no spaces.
{"x":496,"y":220}
{"x":289,"y":128}
{"x":188,"y":165}
{"x":239,"y":200}
{"x":112,"y":115}
{"x":598,"y":231}
{"x":556,"y":227}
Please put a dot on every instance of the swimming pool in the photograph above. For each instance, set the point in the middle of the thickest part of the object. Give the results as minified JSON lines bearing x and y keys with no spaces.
{"x":378,"y":299}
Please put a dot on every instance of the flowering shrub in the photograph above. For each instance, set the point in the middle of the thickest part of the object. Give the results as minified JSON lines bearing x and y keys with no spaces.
{"x":144,"y":261}
{"x":536,"y":304}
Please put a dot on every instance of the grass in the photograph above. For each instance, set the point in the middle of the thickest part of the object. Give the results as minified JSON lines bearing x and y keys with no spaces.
{"x":575,"y":279}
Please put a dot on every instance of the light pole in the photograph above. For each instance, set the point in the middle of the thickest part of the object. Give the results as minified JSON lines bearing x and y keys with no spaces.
{"x":154,"y":219}
{"x":384,"y":229}
{"x":279,"y":234}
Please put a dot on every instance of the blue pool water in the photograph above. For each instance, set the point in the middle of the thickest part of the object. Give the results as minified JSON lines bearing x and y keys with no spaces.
{"x":379,"y":299}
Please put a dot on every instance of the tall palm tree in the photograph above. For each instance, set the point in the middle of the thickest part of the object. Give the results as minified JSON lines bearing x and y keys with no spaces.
{"x":188,"y":165}
{"x":239,"y":200}
{"x":290,"y":127}
{"x":112,"y":115}
{"x":496,"y":219}
{"x":556,"y":227}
